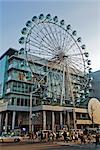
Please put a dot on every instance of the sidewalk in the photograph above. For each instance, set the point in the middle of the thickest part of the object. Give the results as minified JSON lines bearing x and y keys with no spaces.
{"x":62,"y":143}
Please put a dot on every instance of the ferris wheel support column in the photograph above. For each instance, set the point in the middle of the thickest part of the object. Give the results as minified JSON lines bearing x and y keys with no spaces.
{"x":30,"y":114}
{"x":30,"y":111}
{"x":73,"y":100}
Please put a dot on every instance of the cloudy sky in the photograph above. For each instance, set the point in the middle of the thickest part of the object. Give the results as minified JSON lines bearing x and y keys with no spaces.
{"x":83,"y":15}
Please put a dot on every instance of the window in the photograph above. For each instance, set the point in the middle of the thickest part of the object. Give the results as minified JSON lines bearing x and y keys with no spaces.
{"x":26,"y":102}
{"x":18,"y":101}
{"x":12,"y":101}
{"x":22,"y":102}
{"x":23,"y":85}
{"x":30,"y":89}
{"x":14,"y":86}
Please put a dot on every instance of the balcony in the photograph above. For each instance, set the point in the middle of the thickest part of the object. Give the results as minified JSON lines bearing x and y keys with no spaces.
{"x":14,"y":65}
{"x":16,"y":78}
{"x":18,"y":67}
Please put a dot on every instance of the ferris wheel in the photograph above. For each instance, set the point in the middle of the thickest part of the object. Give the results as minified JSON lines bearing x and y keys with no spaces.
{"x":60,"y":56}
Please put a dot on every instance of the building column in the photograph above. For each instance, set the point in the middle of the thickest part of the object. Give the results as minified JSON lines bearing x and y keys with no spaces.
{"x":68,"y":119}
{"x":61,"y":122}
{"x":53,"y":121}
{"x":0,"y":123}
{"x":44,"y":120}
{"x":6,"y":121}
{"x":13,"y":120}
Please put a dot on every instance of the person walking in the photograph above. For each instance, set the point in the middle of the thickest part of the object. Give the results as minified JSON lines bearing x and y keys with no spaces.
{"x":41,"y":136}
{"x":65,"y":136}
{"x":97,"y":139}
{"x":82,"y":138}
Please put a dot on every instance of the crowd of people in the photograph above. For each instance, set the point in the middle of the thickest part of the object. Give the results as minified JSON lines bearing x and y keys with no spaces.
{"x":66,"y":136}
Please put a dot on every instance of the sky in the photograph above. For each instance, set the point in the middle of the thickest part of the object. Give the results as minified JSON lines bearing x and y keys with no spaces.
{"x":83,"y":15}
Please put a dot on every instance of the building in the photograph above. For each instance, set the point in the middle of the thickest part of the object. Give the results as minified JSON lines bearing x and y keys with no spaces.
{"x":96,"y":84}
{"x":19,"y":99}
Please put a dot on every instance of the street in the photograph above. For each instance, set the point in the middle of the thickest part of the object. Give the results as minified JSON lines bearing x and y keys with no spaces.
{"x":47,"y":146}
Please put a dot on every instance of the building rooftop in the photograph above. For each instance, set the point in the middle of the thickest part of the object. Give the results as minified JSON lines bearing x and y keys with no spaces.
{"x":9,"y":52}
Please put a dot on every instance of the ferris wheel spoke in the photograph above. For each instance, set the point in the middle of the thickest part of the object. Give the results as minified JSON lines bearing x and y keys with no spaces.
{"x":45,"y":29}
{"x":77,"y":65}
{"x":73,"y":69}
{"x":45,"y":36}
{"x":74,"y":63}
{"x":77,"y":61}
{"x":71,"y":46}
{"x":63,"y":42}
{"x":67,"y":43}
{"x":53,"y":39}
{"x":49,"y":36}
{"x":56,"y":34}
{"x":77,"y":54}
{"x":38,"y":51}
{"x":37,"y":35}
{"x":41,"y":45}
{"x":51,"y":28}
{"x":74,"y":51}
{"x":61,"y":38}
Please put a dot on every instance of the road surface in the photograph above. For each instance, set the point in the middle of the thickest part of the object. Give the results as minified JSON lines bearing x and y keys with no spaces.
{"x":47,"y":146}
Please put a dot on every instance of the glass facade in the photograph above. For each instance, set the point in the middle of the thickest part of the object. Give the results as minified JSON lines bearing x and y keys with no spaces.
{"x":2,"y":74}
{"x":96,"y":84}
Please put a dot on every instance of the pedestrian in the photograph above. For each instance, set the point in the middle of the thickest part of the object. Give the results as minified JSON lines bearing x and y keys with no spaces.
{"x":82,"y":138}
{"x":41,"y":135}
{"x":51,"y":137}
{"x":57,"y":136}
{"x":65,"y":136}
{"x":89,"y":138}
{"x":97,"y":139}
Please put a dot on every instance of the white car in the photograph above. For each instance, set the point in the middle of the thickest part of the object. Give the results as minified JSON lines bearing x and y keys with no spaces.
{"x":8,"y":138}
